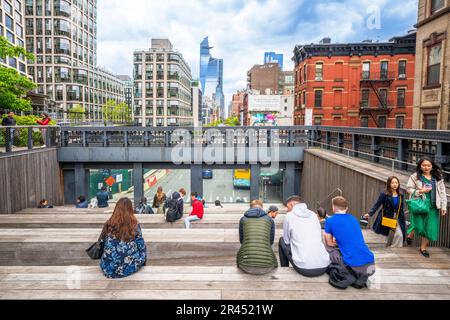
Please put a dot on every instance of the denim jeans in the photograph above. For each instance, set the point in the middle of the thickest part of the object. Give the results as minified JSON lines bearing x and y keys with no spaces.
{"x":188,"y":220}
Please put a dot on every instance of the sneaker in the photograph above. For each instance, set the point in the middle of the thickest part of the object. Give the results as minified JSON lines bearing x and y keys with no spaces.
{"x":363,"y":221}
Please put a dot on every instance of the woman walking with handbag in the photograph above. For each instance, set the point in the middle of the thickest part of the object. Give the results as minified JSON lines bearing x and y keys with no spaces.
{"x":428,"y":200}
{"x":124,"y":249}
{"x":390,"y":222}
{"x":158,"y":200}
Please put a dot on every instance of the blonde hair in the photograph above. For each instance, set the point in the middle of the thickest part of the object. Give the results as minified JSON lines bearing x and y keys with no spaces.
{"x":340,"y":203}
{"x":256,"y":203}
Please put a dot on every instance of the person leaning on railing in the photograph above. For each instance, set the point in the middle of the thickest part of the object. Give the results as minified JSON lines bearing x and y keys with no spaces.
{"x":427,"y":182}
{"x":44,"y":122}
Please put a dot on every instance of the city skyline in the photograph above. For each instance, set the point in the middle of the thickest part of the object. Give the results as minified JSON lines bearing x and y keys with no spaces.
{"x":252,"y":28}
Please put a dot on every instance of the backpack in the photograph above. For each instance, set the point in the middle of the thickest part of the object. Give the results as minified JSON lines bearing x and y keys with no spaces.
{"x":172,"y":211}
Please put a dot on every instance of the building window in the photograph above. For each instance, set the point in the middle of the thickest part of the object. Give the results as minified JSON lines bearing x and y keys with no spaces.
{"x":430,"y":121}
{"x":382,"y":121}
{"x":338,"y":98}
{"x":9,"y":22}
{"x":319,"y":71}
{"x":305,"y":73}
{"x":436,"y":5}
{"x":317,"y":121}
{"x":400,"y":122}
{"x":318,"y":98}
{"x":402,"y":69}
{"x":364,"y":122}
{"x":383,"y":97}
{"x":366,"y":70}
{"x":384,"y":69}
{"x":434,"y":65}
{"x":304,"y":98}
{"x":365,"y":98}
{"x":339,"y":70}
{"x":401,"y":97}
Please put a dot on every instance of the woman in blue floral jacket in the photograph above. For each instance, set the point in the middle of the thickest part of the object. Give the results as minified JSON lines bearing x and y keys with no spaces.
{"x":124,"y":251}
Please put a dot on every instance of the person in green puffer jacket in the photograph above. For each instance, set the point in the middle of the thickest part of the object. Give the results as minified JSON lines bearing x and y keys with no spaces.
{"x":256,"y":235}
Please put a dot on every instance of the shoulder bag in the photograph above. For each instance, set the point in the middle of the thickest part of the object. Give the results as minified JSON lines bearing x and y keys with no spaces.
{"x":417,"y":206}
{"x":95,"y":251}
{"x":389,"y":222}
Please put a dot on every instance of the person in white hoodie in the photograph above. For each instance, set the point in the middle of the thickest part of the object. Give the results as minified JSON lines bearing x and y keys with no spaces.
{"x":301,"y":244}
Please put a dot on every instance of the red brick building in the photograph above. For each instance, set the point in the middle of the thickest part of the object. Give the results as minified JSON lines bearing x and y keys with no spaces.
{"x":357,"y":84}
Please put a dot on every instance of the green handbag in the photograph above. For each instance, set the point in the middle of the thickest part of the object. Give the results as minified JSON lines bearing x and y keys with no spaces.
{"x":417,"y":206}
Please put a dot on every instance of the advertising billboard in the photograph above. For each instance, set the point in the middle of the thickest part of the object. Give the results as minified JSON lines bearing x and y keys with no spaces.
{"x":264,"y":103}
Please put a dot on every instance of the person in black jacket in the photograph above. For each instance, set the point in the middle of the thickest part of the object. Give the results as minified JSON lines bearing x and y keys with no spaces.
{"x":392,"y":203}
{"x":10,"y":121}
{"x":174,"y":207}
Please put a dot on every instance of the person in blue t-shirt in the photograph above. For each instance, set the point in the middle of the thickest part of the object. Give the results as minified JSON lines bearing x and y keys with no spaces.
{"x":342,"y":230}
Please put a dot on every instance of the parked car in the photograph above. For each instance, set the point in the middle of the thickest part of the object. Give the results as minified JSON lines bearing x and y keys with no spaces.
{"x":207,"y":174}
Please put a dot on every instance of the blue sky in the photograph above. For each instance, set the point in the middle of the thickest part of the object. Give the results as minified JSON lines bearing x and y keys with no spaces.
{"x":241,"y":31}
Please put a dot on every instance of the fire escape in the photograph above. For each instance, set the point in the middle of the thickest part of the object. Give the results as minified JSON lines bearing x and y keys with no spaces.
{"x":375,"y":81}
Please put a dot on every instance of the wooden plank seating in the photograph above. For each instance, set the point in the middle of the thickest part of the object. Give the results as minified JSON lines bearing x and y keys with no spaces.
{"x":96,"y":220}
{"x":200,"y":282}
{"x":165,"y":246}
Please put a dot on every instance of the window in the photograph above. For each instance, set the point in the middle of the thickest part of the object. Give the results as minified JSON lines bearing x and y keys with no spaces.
{"x":318,"y":98}
{"x":402,"y":69}
{"x":366,"y":71}
{"x":9,"y":22}
{"x":317,"y":121}
{"x":305,"y":74}
{"x":436,"y":5}
{"x":338,"y":98}
{"x":364,"y":122}
{"x":339,"y":69}
{"x":383,"y":97}
{"x":12,"y":62}
{"x":319,"y":71}
{"x":19,"y":30}
{"x":18,"y":5}
{"x":382,"y":121}
{"x":8,"y":7}
{"x":365,"y":98}
{"x":401,"y":97}
{"x":304,"y":98}
{"x":400,"y":122}
{"x":434,"y":65}
{"x":10,"y":36}
{"x":384,"y":69}
{"x":430,"y":121}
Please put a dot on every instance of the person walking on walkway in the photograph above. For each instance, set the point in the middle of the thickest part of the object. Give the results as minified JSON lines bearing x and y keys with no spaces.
{"x":256,"y":235}
{"x":10,"y":121}
{"x":427,"y":182}
{"x":197,"y":210}
{"x":301,"y":244}
{"x":158,"y":201}
{"x":390,"y":221}
{"x":124,"y":250}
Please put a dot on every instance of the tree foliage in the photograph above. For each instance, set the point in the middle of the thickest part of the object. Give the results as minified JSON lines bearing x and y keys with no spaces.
{"x":116,"y":113}
{"x":13,"y":86}
{"x":229,"y":122}
{"x":77,"y":113}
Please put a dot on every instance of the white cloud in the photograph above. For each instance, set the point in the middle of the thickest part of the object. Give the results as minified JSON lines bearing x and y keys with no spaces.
{"x":240,"y":31}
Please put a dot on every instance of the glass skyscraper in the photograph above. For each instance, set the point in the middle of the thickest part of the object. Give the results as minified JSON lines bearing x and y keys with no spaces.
{"x":272,"y":57}
{"x":211,"y":75}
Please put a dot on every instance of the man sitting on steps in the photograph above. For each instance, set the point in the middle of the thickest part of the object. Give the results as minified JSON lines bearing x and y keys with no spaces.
{"x":256,"y":235}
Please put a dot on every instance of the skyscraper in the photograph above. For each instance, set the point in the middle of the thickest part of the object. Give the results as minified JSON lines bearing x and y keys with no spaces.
{"x":62,"y":34}
{"x":211,"y":75}
{"x":272,"y":57}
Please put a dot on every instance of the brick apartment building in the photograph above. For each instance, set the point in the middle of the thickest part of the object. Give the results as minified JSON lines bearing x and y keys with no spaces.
{"x":363,"y":84}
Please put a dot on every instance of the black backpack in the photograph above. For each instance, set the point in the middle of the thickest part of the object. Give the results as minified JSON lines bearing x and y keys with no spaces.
{"x":172,"y":212}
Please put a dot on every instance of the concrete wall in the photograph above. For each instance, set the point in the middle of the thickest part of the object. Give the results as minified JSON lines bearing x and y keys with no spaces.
{"x":29,"y":177}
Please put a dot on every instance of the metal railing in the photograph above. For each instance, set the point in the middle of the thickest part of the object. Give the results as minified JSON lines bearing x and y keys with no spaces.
{"x":22,"y":138}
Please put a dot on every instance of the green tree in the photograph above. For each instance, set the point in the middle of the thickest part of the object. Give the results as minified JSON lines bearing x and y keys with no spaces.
{"x":108,"y":111}
{"x":13,"y":86}
{"x":77,"y":113}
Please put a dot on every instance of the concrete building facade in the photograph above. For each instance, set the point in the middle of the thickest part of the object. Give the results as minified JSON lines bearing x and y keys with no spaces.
{"x":12,"y":22}
{"x":162,"y":86}
{"x":62,"y":34}
{"x":432,"y":77}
